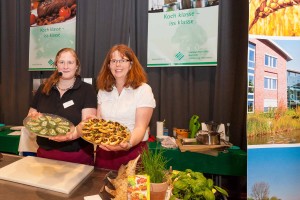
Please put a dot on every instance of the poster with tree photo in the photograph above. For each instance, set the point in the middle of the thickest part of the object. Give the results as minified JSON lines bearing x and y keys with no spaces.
{"x":273,"y":121}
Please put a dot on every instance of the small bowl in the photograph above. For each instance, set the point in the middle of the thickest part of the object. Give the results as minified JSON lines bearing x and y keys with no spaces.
{"x":182,"y":133}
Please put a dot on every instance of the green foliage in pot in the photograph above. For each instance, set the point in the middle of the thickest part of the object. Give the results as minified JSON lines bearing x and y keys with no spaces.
{"x":154,"y":164}
{"x":194,"y":186}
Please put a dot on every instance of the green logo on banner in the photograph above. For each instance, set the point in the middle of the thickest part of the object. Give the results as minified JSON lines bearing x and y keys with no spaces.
{"x":179,"y":56}
{"x":50,"y":62}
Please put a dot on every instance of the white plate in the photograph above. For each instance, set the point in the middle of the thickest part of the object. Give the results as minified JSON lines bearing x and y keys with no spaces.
{"x":96,"y":131}
{"x":48,"y":126}
{"x":16,"y":128}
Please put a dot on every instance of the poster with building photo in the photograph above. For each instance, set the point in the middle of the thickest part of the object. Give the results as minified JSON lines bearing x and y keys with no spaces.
{"x":182,"y":33}
{"x":273,"y":121}
{"x":52,"y":27}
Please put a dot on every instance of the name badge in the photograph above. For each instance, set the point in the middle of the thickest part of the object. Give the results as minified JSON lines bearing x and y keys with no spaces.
{"x":68,"y":104}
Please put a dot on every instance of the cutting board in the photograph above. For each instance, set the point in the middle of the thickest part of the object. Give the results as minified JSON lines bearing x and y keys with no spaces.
{"x":212,"y":150}
{"x":45,"y":173}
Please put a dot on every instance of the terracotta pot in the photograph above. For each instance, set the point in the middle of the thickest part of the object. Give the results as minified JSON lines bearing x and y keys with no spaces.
{"x":158,"y":191}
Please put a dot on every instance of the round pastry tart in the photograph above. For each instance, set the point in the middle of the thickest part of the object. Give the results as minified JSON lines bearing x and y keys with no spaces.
{"x":100,"y":131}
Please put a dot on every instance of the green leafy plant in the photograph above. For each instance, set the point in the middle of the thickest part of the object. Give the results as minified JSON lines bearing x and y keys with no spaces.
{"x":194,"y":186}
{"x":154,"y":164}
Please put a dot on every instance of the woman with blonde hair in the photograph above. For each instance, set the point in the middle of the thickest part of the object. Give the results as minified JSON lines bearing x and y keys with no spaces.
{"x":66,"y":95}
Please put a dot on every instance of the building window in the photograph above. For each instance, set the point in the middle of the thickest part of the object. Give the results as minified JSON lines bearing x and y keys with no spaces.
{"x":250,"y":106}
{"x":270,"y":105}
{"x":293,"y":89}
{"x":270,"y":61}
{"x":270,"y":83}
{"x":268,"y":109}
{"x":250,"y":83}
{"x":251,"y":72}
{"x":251,"y":56}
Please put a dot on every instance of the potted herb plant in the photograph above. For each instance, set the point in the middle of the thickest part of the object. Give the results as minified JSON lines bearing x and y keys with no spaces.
{"x":154,"y":165}
{"x":194,"y":186}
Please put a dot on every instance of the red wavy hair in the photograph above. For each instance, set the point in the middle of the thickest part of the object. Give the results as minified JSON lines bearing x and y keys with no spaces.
{"x":135,"y":76}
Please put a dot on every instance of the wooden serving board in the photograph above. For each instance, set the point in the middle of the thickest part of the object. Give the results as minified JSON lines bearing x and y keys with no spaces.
{"x":44,"y":173}
{"x":212,"y":150}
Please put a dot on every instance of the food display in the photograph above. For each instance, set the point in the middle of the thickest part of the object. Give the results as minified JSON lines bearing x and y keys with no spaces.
{"x":53,"y":11}
{"x":116,"y":186}
{"x":138,"y":187}
{"x":48,"y":125}
{"x":274,"y":17}
{"x":100,"y":131}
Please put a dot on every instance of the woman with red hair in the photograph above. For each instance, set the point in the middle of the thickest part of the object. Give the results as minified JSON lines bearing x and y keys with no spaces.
{"x":124,"y":97}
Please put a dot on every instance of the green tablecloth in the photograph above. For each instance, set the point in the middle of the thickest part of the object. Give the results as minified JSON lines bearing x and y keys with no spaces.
{"x":232,"y":163}
{"x":9,"y":143}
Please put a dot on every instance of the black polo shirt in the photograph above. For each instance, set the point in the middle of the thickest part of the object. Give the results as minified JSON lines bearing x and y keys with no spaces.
{"x":69,"y":106}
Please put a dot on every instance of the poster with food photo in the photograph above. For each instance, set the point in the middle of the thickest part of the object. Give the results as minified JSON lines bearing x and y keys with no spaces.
{"x":138,"y":187}
{"x":274,"y":17}
{"x":52,"y":27}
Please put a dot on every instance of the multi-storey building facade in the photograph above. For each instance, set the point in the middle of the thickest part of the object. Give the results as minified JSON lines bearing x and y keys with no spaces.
{"x":293,"y":88}
{"x":267,"y":75}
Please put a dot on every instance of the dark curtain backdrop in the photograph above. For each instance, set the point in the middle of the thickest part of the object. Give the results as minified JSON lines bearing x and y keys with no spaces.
{"x":214,"y":93}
